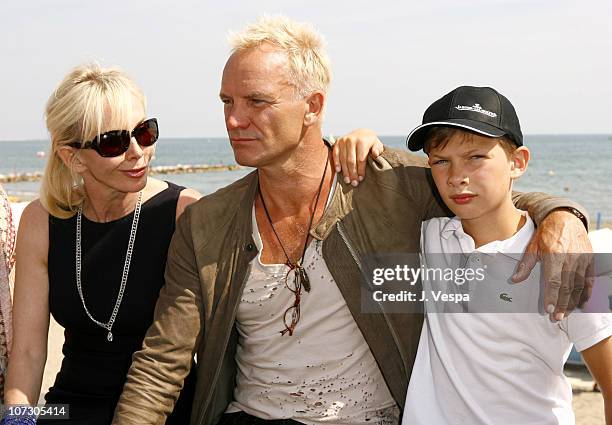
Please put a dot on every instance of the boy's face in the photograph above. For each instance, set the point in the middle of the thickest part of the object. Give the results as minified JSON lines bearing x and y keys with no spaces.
{"x":473,"y":174}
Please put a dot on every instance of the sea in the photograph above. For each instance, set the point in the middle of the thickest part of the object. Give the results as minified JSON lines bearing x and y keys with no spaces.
{"x":574,"y":166}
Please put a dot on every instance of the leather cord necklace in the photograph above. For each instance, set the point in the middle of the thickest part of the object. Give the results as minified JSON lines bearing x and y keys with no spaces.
{"x":300,"y":277}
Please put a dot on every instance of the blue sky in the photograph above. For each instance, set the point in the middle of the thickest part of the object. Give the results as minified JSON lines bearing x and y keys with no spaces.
{"x":390,"y":59}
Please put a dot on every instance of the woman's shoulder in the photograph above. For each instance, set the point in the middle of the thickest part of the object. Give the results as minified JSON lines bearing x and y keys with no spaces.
{"x":187,"y":197}
{"x":34,"y":214}
{"x":184,"y":196}
{"x":153,"y":188}
{"x":33,"y":231}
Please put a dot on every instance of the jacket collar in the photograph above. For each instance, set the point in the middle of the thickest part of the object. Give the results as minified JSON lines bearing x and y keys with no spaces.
{"x":243,"y":215}
{"x":337,"y":208}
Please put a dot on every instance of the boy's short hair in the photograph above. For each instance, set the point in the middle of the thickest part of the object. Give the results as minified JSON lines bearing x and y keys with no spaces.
{"x":438,"y":137}
{"x":482,"y":110}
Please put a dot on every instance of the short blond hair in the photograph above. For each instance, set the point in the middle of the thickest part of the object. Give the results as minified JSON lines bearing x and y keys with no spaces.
{"x":309,"y":66}
{"x":84,"y":101}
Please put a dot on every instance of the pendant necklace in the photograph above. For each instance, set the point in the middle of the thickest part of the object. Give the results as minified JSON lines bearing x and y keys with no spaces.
{"x":300,"y":277}
{"x":126,"y":268}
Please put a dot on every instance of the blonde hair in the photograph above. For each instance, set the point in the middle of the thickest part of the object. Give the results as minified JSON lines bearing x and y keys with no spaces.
{"x":88,"y":98}
{"x":309,"y":66}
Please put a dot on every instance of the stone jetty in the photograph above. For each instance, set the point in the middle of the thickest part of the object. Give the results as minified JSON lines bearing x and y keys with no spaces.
{"x":160,"y":169}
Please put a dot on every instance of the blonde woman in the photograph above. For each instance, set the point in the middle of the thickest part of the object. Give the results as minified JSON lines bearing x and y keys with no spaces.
{"x":7,"y":245}
{"x":92,"y":250}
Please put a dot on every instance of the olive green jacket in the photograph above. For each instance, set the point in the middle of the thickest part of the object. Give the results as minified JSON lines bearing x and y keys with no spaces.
{"x":208,"y":265}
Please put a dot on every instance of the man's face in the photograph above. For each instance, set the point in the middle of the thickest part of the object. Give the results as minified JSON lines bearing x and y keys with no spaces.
{"x":472,"y":174}
{"x":263,"y":117}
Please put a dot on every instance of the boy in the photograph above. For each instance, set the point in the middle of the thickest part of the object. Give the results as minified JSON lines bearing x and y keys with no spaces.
{"x":490,"y":367}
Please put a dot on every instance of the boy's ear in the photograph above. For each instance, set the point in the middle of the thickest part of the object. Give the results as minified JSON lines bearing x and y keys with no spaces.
{"x":520,"y":159}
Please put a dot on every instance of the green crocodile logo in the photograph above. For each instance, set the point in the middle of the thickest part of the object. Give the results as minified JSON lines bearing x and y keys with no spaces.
{"x":505,"y":297}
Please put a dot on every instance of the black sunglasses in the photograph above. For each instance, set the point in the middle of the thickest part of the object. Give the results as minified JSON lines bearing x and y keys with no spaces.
{"x":116,"y":142}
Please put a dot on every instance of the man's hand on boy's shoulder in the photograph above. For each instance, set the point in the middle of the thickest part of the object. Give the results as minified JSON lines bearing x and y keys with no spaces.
{"x":562,"y":244}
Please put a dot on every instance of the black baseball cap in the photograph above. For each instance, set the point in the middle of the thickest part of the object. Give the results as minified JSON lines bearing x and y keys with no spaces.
{"x":480,"y":109}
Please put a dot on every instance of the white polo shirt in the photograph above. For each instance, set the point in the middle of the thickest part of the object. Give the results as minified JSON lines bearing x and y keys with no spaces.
{"x":485,"y":368}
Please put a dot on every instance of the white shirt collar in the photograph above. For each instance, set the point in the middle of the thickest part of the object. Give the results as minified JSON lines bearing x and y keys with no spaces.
{"x":512,"y":247}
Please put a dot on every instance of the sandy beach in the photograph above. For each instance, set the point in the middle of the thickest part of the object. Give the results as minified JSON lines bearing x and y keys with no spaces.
{"x":588,"y":405}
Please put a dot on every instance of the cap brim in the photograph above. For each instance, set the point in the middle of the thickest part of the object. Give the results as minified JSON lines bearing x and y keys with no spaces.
{"x":416,"y":139}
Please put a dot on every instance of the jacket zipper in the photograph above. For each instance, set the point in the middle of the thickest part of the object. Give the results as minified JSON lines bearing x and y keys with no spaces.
{"x":228,"y":333}
{"x":356,"y":259}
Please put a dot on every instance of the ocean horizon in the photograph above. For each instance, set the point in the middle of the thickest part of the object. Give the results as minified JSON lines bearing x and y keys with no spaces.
{"x":570,"y":165}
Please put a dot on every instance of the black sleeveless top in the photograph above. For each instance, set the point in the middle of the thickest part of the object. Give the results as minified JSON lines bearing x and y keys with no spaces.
{"x":94,"y":368}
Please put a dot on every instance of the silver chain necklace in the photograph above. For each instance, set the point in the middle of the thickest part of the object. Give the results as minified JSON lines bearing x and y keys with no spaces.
{"x":126,"y":268}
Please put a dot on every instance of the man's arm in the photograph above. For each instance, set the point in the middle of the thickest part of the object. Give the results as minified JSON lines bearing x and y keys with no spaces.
{"x":562,"y":244}
{"x":158,"y":370}
{"x":539,"y":205}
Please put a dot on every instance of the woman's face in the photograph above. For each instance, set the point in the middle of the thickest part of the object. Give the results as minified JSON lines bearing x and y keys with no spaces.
{"x":125,"y":173}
